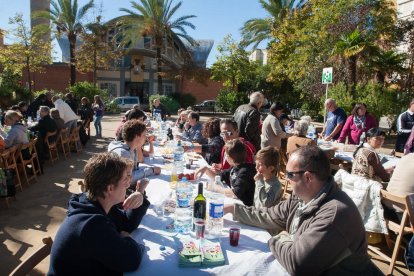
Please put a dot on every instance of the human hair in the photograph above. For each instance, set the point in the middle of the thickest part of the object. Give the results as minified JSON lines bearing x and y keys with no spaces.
{"x":131,"y":129}
{"x":85,"y":100}
{"x":136,"y":106}
{"x":69,"y":95}
{"x":46,"y":109}
{"x":269,"y":156}
{"x":313,"y":159}
{"x":15,"y":108}
{"x":256,"y":98}
{"x":194,"y":115}
{"x":102,"y":170}
{"x":21,"y":104}
{"x":54,"y":112}
{"x":42,"y":97}
{"x":211,"y":128}
{"x":179,"y":111}
{"x":275,"y":107}
{"x":13,"y":115}
{"x":301,"y":128}
{"x":330,"y":101}
{"x":357,"y":106}
{"x":136,"y":114}
{"x":231,"y":122}
{"x":154,"y":100}
{"x":236,"y":150}
{"x":284,"y":116}
{"x":97,"y":100}
{"x":372,"y":132}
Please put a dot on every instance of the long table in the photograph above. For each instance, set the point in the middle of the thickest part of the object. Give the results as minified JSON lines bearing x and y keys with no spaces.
{"x":251,"y":257}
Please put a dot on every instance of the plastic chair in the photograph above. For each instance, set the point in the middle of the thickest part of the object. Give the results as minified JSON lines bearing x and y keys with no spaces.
{"x":51,"y":146}
{"x":33,"y":260}
{"x":64,"y":142}
{"x":406,"y":226}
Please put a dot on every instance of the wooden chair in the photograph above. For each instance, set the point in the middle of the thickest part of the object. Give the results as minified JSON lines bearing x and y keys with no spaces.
{"x":281,"y":173}
{"x":406,"y":226}
{"x":35,"y":157}
{"x":75,"y":142}
{"x":33,"y":260}
{"x":29,"y":163}
{"x":63,"y":142}
{"x":8,"y":157}
{"x":52,"y":146}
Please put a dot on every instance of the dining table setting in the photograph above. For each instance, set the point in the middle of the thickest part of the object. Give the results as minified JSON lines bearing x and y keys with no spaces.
{"x":166,"y":246}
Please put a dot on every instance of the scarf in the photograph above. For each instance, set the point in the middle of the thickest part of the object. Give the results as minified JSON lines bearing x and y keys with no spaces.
{"x":359,"y":121}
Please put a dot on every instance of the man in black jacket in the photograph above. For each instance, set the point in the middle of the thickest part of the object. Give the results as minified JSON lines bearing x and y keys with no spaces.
{"x":247,"y":117}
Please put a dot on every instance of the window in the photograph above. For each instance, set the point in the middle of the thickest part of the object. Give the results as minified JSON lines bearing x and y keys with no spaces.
{"x":109,"y":87}
{"x":168,"y":89}
{"x":130,"y":101}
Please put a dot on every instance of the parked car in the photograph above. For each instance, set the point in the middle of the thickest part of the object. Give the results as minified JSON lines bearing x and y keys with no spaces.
{"x":208,"y":105}
{"x":126,"y":102}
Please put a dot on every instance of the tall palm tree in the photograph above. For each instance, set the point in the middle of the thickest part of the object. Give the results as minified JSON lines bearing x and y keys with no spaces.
{"x":257,"y":30}
{"x":350,"y":47}
{"x":67,"y":17}
{"x":154,"y":18}
{"x":384,"y":63}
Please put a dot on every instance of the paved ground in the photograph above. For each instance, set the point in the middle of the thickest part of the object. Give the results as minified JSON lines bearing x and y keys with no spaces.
{"x":41,"y":207}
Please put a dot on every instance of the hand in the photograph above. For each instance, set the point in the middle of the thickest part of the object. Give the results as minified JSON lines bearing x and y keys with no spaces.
{"x":151,"y":138}
{"x":142,"y":185}
{"x":390,"y":170}
{"x":157,"y":170}
{"x":258,"y":176}
{"x":328,"y":138}
{"x":125,"y":234}
{"x":216,"y":167}
{"x":133,"y":201}
{"x":199,"y":172}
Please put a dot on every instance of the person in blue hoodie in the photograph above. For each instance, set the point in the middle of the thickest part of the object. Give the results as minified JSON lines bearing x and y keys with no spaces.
{"x":94,"y":238}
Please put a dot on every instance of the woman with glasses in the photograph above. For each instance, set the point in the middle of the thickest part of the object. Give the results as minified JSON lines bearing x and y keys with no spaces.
{"x":367,"y":162}
{"x":357,"y":123}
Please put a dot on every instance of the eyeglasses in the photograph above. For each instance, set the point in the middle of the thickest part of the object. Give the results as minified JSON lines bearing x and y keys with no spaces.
{"x":226,"y":133}
{"x":291,"y":175}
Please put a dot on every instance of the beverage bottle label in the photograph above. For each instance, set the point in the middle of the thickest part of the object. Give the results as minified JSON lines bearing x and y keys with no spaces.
{"x":216,"y":210}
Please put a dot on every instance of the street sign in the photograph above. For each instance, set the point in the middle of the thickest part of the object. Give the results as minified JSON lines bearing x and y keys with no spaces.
{"x":327,"y":75}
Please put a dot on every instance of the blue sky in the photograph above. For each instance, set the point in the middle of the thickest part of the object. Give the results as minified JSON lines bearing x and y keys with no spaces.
{"x":215,"y":18}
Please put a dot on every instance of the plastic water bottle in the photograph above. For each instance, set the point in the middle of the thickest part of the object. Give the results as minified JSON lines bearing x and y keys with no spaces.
{"x":183,"y":219}
{"x":311,"y":132}
{"x":217,"y":183}
{"x":183,"y":193}
{"x":179,"y":158}
{"x":215,"y":219}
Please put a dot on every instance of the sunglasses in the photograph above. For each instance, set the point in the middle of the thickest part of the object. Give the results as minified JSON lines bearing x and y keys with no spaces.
{"x":226,"y":133}
{"x":291,"y":175}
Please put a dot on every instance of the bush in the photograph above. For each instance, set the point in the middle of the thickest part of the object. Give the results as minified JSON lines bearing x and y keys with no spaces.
{"x":185,"y":100}
{"x":88,"y":90}
{"x":228,"y":100}
{"x":112,"y":107}
{"x":169,"y":102}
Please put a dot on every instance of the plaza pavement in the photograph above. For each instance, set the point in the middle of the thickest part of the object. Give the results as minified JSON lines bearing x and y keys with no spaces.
{"x":41,"y":207}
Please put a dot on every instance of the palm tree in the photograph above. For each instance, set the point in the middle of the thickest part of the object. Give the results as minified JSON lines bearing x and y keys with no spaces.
{"x":350,"y":47}
{"x":154,"y":18}
{"x":66,"y":16}
{"x":384,"y":63}
{"x":257,"y":30}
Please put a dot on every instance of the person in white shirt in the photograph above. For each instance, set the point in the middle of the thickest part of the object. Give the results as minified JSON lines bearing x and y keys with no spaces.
{"x":66,"y":113}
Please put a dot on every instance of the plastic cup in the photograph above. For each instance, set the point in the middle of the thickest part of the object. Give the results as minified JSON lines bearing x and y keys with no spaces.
{"x":234,"y":235}
{"x":200,"y":228}
{"x":159,"y":210}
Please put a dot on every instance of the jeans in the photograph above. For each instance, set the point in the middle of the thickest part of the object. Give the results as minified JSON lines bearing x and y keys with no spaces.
{"x":98,"y":125}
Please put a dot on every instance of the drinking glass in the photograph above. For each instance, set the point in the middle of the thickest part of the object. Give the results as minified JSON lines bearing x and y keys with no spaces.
{"x":234,"y":235}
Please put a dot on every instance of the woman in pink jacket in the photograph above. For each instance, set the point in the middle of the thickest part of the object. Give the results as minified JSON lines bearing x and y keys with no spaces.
{"x":356,"y":124}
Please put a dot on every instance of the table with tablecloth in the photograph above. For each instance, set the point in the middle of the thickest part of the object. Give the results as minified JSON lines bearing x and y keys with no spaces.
{"x":251,"y":257}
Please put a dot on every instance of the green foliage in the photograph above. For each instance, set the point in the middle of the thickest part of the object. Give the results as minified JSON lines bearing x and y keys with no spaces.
{"x":169,"y":102}
{"x":112,"y":107}
{"x":88,"y":90}
{"x":185,"y":100}
{"x":228,"y":100}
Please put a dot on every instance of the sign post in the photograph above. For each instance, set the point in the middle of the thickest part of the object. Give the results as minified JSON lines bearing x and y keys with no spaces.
{"x":326,"y":79}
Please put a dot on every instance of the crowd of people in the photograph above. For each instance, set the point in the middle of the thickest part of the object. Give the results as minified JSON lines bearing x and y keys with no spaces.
{"x":317,"y":230}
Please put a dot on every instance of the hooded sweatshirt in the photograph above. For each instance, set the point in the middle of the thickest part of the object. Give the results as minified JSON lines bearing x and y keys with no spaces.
{"x":65,"y":112}
{"x":89,"y":242}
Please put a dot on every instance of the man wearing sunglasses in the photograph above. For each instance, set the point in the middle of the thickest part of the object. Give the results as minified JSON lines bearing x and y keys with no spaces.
{"x":320,"y":230}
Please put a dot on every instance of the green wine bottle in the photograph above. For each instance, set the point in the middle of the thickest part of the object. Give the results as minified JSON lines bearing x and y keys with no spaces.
{"x":199,"y":212}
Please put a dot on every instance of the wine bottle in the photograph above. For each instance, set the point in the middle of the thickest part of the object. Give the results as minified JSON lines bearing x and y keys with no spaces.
{"x":199,"y":212}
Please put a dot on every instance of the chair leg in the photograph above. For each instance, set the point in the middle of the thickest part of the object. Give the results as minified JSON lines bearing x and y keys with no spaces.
{"x":397,"y":244}
{"x":19,"y":182}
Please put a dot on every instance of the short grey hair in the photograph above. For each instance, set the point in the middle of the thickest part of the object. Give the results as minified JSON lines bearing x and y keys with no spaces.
{"x":301,"y":128}
{"x":256,"y":97}
{"x":330,"y":101}
{"x":44,"y":108}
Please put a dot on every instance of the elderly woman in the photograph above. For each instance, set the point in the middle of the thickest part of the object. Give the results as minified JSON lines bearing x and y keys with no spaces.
{"x":18,"y":133}
{"x":272,"y":132}
{"x":182,"y":119}
{"x":299,"y":138}
{"x":357,"y":123}
{"x":367,"y":163}
{"x":212,"y":150}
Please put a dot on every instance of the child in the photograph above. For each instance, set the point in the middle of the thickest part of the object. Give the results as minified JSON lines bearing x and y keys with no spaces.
{"x":268,"y":188}
{"x":240,"y":177}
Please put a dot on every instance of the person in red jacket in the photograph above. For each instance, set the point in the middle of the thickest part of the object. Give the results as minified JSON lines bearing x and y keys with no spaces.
{"x":230,"y":131}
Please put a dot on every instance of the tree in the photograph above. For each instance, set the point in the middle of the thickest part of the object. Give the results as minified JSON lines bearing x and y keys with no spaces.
{"x":67,"y":18}
{"x":94,"y":42}
{"x":154,"y":18}
{"x":386,"y":62}
{"x":232,"y":65}
{"x":256,"y":30}
{"x":29,"y":52}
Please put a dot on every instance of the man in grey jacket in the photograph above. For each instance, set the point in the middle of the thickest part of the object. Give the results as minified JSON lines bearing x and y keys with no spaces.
{"x":320,"y":230}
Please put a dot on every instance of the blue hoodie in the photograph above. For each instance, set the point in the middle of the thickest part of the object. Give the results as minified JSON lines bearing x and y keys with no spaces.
{"x":89,"y":241}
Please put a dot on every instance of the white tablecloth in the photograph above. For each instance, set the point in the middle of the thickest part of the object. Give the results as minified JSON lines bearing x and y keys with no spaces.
{"x":251,"y":257}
